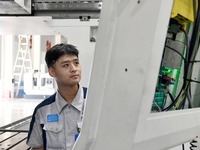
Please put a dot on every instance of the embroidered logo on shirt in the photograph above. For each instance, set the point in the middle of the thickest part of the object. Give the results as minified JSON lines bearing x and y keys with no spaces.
{"x":52,"y":118}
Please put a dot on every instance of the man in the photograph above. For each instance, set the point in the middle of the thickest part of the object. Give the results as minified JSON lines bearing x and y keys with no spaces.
{"x":56,"y":121}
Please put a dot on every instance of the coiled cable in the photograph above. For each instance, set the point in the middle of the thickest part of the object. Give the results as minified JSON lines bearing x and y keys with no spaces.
{"x":193,"y":144}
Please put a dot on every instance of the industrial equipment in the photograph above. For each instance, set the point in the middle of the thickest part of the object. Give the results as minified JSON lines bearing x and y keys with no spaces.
{"x":141,"y":57}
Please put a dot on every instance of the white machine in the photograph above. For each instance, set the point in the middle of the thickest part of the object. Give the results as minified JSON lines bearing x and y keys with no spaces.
{"x":126,"y":63}
{"x":38,"y":85}
{"x":118,"y":112}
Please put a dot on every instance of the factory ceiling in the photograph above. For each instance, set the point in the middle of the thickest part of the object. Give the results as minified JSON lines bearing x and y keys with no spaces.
{"x":57,"y":9}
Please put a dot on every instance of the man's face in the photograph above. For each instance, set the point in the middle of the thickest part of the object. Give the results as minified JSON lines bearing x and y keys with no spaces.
{"x":66,"y":70}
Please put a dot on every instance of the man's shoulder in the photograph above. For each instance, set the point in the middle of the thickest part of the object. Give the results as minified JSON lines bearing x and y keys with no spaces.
{"x":46,"y":101}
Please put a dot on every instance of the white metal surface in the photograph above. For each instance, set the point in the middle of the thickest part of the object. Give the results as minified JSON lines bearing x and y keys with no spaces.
{"x":15,"y":7}
{"x":126,"y":64}
{"x":26,"y":25}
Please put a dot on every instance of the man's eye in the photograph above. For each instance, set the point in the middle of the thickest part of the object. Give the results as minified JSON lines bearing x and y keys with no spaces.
{"x":65,"y":65}
{"x":77,"y":62}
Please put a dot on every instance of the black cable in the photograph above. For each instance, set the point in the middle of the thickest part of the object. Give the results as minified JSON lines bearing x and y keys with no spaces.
{"x":183,"y":147}
{"x":182,"y":104}
{"x":193,"y":48}
{"x":189,"y":97}
{"x":186,"y":43}
{"x":190,"y":80}
{"x":172,"y":104}
{"x":164,"y":102}
{"x":170,"y":95}
{"x":193,"y":144}
{"x":175,"y":100}
{"x":186,"y":55}
{"x":186,"y":65}
{"x":176,"y":52}
{"x":189,"y":57}
{"x":194,"y":61}
{"x":183,"y":85}
{"x":195,"y":31}
{"x":194,"y":8}
{"x":190,"y":53}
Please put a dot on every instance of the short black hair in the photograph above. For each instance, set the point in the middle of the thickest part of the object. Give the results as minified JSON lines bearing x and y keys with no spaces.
{"x":57,"y":51}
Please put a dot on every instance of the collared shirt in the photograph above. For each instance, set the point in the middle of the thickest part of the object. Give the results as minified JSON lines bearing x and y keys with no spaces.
{"x":55,"y":123}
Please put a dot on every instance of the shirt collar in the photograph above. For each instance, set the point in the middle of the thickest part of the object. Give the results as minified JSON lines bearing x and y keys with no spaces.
{"x":77,"y":101}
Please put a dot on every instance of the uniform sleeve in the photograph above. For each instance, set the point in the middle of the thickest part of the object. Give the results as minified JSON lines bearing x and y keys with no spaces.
{"x":35,"y":132}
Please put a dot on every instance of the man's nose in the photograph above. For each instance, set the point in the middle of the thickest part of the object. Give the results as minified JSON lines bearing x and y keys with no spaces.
{"x":73,"y":67}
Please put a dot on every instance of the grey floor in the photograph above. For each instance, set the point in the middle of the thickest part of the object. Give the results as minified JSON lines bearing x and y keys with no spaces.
{"x":13,"y":135}
{"x":13,"y":109}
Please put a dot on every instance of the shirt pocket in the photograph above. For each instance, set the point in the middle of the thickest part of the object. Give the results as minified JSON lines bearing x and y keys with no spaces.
{"x":54,"y":136}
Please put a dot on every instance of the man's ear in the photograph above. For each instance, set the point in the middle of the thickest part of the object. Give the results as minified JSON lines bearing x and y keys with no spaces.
{"x":51,"y":72}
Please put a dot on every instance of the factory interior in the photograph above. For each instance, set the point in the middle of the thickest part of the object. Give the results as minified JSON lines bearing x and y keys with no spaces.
{"x":140,"y":62}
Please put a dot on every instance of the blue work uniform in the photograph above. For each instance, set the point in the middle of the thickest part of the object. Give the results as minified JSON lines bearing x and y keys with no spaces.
{"x":55,"y":124}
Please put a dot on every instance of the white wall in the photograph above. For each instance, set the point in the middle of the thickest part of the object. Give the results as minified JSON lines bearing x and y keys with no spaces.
{"x":0,"y":54}
{"x":7,"y":64}
{"x":78,"y":33}
{"x":75,"y":31}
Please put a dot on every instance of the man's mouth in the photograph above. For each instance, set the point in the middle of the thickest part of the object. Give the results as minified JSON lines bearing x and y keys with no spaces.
{"x":74,"y":76}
